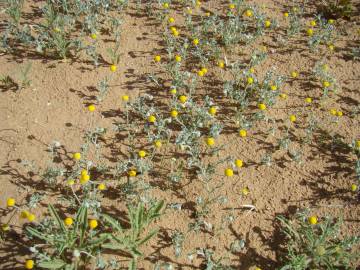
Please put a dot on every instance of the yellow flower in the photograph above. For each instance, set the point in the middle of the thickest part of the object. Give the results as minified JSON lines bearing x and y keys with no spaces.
{"x":132,"y":173}
{"x":326,"y":84}
{"x":84,"y":179}
{"x":229,"y":172}
{"x":283,"y":95}
{"x":68,"y":221}
{"x":173,"y":91}
{"x":200,"y":73}
{"x":195,"y":41}
{"x":354,"y":187}
{"x":262,"y":106}
{"x":243,"y":133}
{"x":10,"y":202}
{"x":157,"y":58}
{"x":267,"y":23}
{"x":93,"y":223}
{"x":177,"y":58}
{"x":357,"y":143}
{"x":5,"y":227}
{"x":331,"y":47}
{"x":198,"y":3}
{"x":166,"y":5}
{"x":189,"y":10}
{"x":57,"y":30}
{"x":308,"y":100}
{"x":31,"y":217}
{"x":174,"y":113}
{"x":248,"y":13}
{"x":313,"y":23}
{"x":312,"y":220}
{"x":325,"y":67}
{"x":221,"y":64}
{"x":171,"y":20}
{"x":91,"y":108}
{"x":231,"y":6}
{"x":250,"y":80}
{"x":273,"y":87}
{"x":251,"y":70}
{"x":173,"y":29}
{"x":292,"y":118}
{"x":24,"y":214}
{"x":245,"y":191}
{"x":151,"y":119}
{"x":142,"y":153}
{"x":113,"y":68}
{"x":84,"y":172}
{"x":183,"y":99}
{"x":333,"y":112}
{"x":310,"y":32}
{"x":238,"y":163}
{"x":331,"y":21}
{"x":294,"y":74}
{"x":176,"y":33}
{"x":70,"y":182}
{"x":101,"y":186}
{"x":257,"y":268}
{"x":204,"y":70}
{"x":158,"y":143}
{"x":93,"y":36}
{"x":286,"y":14}
{"x":29,"y":264}
{"x":125,"y":98}
{"x":212,"y":110}
{"x":207,"y":14}
{"x":339,"y":113}
{"x":210,"y":141}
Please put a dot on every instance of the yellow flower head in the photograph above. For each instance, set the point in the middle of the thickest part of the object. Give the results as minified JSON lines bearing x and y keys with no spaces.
{"x":157,"y":58}
{"x":84,"y":179}
{"x":31,"y":217}
{"x":171,"y":20}
{"x":267,"y":23}
{"x":183,"y":99}
{"x":310,"y":32}
{"x":173,"y":91}
{"x":158,"y":143}
{"x":313,"y":23}
{"x":262,"y":106}
{"x":231,"y":6}
{"x":68,"y":221}
{"x":101,"y":186}
{"x":238,"y":163}
{"x":29,"y":264}
{"x":195,"y":41}
{"x":174,"y":113}
{"x":210,"y":141}
{"x":221,"y":64}
{"x":177,"y":58}
{"x":331,"y":21}
{"x":166,"y":5}
{"x":248,"y":13}
{"x":294,"y":74}
{"x":312,"y":220}
{"x":273,"y":87}
{"x":113,"y":68}
{"x":204,"y":70}
{"x":229,"y":172}
{"x":142,"y":154}
{"x":245,"y":191}
{"x":354,"y":187}
{"x":10,"y":202}
{"x":250,"y":80}
{"x":71,"y":182}
{"x":212,"y":110}
{"x":333,"y":112}
{"x":308,"y":100}
{"x":132,"y":173}
{"x":24,"y":214}
{"x":91,"y":108}
{"x":200,"y":73}
{"x":151,"y":119}
{"x":283,"y":95}
{"x":93,"y":223}
{"x":243,"y":133}
{"x":125,"y":98}
{"x":292,"y":118}
{"x":93,"y":36}
{"x":286,"y":14}
{"x":339,"y":113}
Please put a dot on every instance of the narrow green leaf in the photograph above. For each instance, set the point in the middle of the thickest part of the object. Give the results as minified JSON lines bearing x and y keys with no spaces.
{"x":53,"y":264}
{"x":56,"y":217}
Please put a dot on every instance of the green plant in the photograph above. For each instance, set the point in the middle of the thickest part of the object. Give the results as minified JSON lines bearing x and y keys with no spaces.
{"x":316,"y":246}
